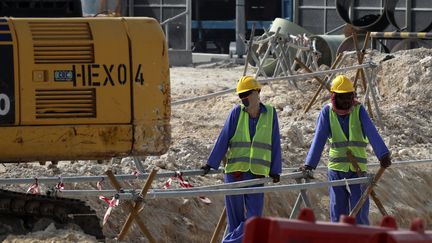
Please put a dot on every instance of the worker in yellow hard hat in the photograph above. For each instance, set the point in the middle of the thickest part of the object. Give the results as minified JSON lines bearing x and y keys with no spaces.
{"x":342,"y":94}
{"x":347,"y":126}
{"x":250,"y":140}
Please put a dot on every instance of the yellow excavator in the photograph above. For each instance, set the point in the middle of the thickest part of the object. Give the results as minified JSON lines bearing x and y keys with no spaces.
{"x":80,"y":88}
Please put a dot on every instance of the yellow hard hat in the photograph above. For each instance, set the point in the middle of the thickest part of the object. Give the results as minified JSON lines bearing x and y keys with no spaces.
{"x":342,"y":84}
{"x":247,"y":83}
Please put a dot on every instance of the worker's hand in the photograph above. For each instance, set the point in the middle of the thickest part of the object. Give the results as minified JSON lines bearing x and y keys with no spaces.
{"x":206,"y":168}
{"x":276,"y":178}
{"x":307,"y":171}
{"x":305,"y":168}
{"x":385,"y":161}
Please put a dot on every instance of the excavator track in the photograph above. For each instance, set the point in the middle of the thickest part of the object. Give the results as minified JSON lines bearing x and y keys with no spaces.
{"x":21,"y":213}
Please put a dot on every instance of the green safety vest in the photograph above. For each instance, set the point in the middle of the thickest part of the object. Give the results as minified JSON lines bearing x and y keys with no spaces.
{"x":244,"y":154}
{"x":339,"y":144}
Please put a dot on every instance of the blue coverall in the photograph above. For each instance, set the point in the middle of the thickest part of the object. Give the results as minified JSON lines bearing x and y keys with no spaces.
{"x":235,"y":204}
{"x":341,"y":201}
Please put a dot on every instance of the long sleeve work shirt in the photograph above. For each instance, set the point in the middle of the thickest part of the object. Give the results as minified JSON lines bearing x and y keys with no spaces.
{"x":323,"y":132}
{"x":222,"y":143}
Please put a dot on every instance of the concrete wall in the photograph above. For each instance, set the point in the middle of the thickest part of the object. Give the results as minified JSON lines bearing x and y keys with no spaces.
{"x":179,"y":57}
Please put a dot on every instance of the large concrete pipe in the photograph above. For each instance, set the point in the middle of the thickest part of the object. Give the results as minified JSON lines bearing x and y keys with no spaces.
{"x":368,"y":22}
{"x":390,"y":12}
{"x":328,"y":46}
{"x":269,"y":66}
{"x":286,"y":27}
{"x":348,"y":44}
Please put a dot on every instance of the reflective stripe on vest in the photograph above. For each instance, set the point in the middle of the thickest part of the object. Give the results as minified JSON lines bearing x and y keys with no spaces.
{"x":248,"y":144}
{"x":345,"y":159}
{"x":348,"y":143}
{"x":339,"y":144}
{"x":253,"y":161}
{"x":255,"y":155}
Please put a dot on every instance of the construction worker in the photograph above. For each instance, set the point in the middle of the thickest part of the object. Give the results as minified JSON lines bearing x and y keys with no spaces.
{"x":347,"y":126}
{"x":251,"y":138}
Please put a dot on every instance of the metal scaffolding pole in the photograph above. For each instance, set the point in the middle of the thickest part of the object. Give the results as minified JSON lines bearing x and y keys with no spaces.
{"x":237,"y":184}
{"x":253,"y":182}
{"x":249,"y":190}
{"x":133,"y":195}
{"x":240,"y":27}
{"x":318,"y":73}
{"x":70,"y":179}
{"x":268,"y":80}
{"x":374,"y":165}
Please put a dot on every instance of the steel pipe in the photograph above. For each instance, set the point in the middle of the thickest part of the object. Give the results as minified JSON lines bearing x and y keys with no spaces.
{"x":291,"y":77}
{"x":225,"y":186}
{"x":249,"y":190}
{"x":69,"y":179}
{"x":319,"y":73}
